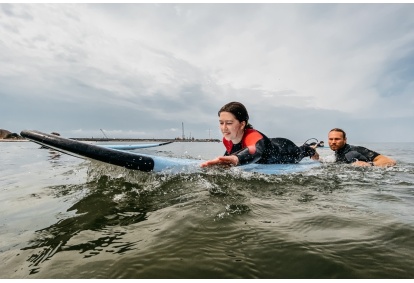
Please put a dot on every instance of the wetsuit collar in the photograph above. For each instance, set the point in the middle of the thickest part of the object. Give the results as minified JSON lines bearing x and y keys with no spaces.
{"x":342,"y":149}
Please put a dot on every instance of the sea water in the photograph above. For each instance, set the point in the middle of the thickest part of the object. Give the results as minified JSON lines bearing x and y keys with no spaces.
{"x":65,"y":217}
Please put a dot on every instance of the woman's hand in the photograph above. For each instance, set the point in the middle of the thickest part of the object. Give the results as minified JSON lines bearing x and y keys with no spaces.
{"x":222,"y":160}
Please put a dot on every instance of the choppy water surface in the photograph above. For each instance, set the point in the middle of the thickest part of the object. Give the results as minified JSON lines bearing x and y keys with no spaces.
{"x":63,"y":217}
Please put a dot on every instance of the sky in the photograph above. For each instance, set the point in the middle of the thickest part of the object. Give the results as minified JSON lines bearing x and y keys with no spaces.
{"x":144,"y":70}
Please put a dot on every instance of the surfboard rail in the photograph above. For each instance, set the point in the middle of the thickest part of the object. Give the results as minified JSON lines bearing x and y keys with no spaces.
{"x":85,"y":150}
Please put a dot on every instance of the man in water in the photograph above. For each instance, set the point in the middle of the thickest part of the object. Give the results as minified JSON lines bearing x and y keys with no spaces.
{"x":357,"y":155}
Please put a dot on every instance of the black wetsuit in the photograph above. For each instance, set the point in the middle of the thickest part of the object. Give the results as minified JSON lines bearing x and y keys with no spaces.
{"x":351,"y":153}
{"x":255,"y":147}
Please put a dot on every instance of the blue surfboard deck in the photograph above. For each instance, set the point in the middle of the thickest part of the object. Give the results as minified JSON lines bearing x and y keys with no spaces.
{"x":145,"y":162}
{"x":304,"y":165}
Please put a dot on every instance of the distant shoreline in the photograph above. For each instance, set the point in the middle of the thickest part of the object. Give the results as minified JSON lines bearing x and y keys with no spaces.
{"x":13,"y":140}
{"x":120,"y":140}
{"x":141,"y":140}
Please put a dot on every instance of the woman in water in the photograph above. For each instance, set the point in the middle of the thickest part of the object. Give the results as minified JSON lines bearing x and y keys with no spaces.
{"x":246,"y":145}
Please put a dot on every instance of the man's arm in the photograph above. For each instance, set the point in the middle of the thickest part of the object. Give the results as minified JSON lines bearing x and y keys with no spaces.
{"x":383,"y":161}
{"x":380,"y":160}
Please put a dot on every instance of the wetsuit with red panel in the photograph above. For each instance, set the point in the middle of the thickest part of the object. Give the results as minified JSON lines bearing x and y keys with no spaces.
{"x":255,"y":147}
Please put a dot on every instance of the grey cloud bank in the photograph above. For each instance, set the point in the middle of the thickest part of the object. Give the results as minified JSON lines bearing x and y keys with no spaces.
{"x":140,"y":70}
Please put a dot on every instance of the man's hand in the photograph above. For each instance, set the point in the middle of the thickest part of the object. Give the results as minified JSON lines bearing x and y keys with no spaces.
{"x":361,"y":163}
{"x":315,"y":156}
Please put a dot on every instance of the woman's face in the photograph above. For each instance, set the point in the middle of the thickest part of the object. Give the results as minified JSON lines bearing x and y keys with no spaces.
{"x":231,"y":128}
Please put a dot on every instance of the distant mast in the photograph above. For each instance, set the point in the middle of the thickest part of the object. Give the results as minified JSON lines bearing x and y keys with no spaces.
{"x":182,"y":123}
{"x":104,"y":134}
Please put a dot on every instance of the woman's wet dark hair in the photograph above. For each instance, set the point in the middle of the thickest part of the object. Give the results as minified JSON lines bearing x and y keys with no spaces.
{"x":238,"y":110}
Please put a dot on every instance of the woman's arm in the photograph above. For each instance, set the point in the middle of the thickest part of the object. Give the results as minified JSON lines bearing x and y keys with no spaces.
{"x":254,"y":146}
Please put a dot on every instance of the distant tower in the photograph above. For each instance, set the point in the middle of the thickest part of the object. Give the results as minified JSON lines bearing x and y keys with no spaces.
{"x":182,"y":123}
{"x":103,"y":133}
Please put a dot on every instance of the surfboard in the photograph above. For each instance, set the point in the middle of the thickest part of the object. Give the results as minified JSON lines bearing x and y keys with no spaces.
{"x":84,"y":150}
{"x":133,"y":146}
{"x":144,"y":162}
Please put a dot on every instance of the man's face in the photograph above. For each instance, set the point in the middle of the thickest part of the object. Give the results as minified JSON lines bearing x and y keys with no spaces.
{"x":336,"y":140}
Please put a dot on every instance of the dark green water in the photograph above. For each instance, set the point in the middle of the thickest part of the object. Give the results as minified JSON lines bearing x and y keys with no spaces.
{"x":62,"y":217}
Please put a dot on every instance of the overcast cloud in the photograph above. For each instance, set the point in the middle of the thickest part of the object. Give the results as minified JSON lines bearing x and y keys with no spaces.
{"x":140,"y":70}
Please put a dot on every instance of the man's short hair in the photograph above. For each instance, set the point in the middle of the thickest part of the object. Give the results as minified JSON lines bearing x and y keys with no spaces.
{"x":339,"y":130}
